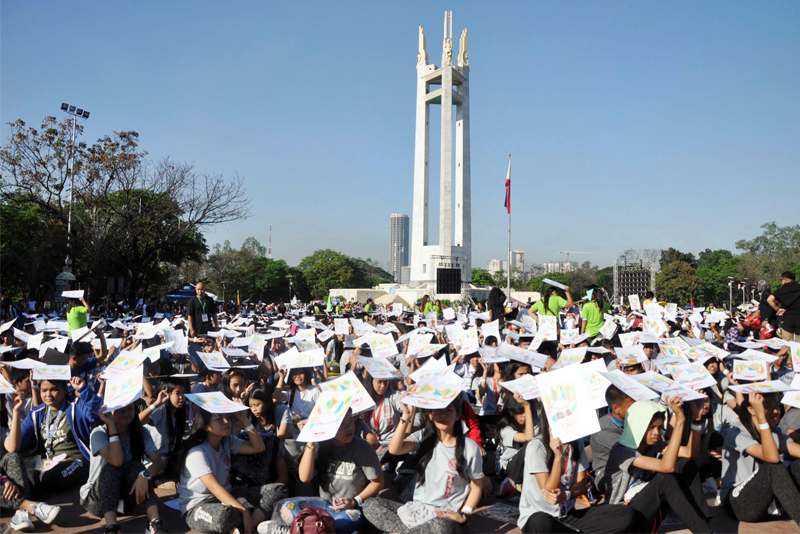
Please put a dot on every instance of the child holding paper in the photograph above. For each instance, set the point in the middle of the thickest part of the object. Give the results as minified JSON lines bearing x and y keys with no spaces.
{"x":383,"y":419}
{"x":753,"y":476}
{"x":168,"y":417}
{"x":348,"y":472}
{"x":515,"y":430}
{"x":119,"y":446}
{"x":555,"y":475}
{"x":207,"y":499}
{"x":448,"y":476}
{"x":646,"y":474}
{"x":302,"y":395}
{"x":15,"y":491}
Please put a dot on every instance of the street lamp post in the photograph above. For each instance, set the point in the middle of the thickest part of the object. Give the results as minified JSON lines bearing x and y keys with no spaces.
{"x":76,"y":114}
{"x":289,"y":276}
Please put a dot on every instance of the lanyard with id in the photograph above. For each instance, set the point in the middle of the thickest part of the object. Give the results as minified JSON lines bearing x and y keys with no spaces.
{"x":204,"y":315}
{"x":51,"y":431}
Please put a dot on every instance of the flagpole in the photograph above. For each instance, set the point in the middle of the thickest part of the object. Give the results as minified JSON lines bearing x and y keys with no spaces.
{"x":508,"y":281}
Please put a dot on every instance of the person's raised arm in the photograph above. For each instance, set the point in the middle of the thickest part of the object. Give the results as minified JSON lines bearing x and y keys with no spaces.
{"x":524,"y":437}
{"x":86,"y":305}
{"x":254,"y":445}
{"x":666,"y":464}
{"x":103,"y":346}
{"x":773,"y":302}
{"x":305,"y":469}
{"x":13,"y":442}
{"x":569,"y":297}
{"x":399,"y":444}
{"x":113,"y":453}
{"x":552,"y":480}
{"x":767,"y":450}
{"x":692,"y":447}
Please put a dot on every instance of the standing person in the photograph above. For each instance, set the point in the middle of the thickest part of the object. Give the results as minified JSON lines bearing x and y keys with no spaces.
{"x":495,"y":305}
{"x":202,"y":312}
{"x":551,"y":303}
{"x":207,"y":499}
{"x":592,"y":313}
{"x":448,"y":476}
{"x":119,"y":446}
{"x":426,"y":305}
{"x":788,"y":296}
{"x":76,"y":315}
{"x":764,"y":314}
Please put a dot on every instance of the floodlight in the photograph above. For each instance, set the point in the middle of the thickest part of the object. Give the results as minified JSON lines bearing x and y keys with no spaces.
{"x":71,"y":109}
{"x":79,"y":112}
{"x":64,"y":107}
{"x":85,"y":114}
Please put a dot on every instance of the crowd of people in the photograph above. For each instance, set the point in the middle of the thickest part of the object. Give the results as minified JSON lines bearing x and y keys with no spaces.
{"x":704,"y":430}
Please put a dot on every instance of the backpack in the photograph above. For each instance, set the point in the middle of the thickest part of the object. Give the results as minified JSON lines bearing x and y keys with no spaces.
{"x":313,"y":521}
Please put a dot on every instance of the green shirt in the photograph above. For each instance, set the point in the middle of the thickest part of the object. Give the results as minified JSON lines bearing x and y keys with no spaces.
{"x":554,"y":305}
{"x":76,"y":317}
{"x":594,"y":317}
{"x":428,"y":308}
{"x":437,"y":310}
{"x":368,"y":308}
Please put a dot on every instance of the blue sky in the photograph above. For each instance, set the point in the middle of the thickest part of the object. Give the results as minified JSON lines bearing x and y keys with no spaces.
{"x":632,"y":124}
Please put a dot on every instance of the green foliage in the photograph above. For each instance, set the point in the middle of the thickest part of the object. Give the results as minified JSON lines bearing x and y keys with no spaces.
{"x":713,"y":269}
{"x":678,"y":282}
{"x":671,"y":254}
{"x":536,"y":283}
{"x":482,"y":277}
{"x":326,"y":269}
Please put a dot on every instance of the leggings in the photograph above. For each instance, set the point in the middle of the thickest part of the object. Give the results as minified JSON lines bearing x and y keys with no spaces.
{"x":382,"y":513}
{"x":679,"y":491}
{"x":750,"y":501}
{"x":64,"y":476}
{"x":600,"y":520}
{"x":11,"y":465}
{"x":113,"y":484}
{"x":214,"y":517}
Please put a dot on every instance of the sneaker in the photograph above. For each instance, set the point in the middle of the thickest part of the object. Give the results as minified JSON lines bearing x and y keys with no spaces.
{"x":710,"y":485}
{"x":46,"y":513}
{"x":507,"y":488}
{"x":21,"y":521}
{"x":156,"y":527}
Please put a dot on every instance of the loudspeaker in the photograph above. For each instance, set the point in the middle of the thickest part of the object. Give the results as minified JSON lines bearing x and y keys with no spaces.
{"x":448,"y":281}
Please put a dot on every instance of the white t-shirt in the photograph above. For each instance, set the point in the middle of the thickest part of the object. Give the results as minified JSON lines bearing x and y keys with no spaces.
{"x":303,"y":401}
{"x":444,"y":488}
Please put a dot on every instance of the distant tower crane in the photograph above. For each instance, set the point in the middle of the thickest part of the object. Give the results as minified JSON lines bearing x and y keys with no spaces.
{"x":568,"y":252}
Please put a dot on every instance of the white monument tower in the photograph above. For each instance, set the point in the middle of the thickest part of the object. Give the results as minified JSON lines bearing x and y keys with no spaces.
{"x":447,"y":86}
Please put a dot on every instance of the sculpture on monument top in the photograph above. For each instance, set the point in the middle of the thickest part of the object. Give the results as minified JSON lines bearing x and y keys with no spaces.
{"x":463,"y":60}
{"x":447,"y":46}
{"x":422,"y":57}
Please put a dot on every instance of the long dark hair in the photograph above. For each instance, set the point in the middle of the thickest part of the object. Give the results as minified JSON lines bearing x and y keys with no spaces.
{"x":226,"y":381}
{"x":135,"y":438}
{"x":264,"y":394}
{"x":199,"y":435}
{"x":175,"y":430}
{"x":746,"y":418}
{"x":510,"y":408}
{"x":549,"y":292}
{"x":325,"y":458}
{"x":598,"y":297}
{"x":305,"y":371}
{"x":544,"y":435}
{"x":432,"y":439}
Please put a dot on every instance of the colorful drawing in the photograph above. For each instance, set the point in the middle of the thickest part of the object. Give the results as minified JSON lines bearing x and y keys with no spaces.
{"x":568,"y":336}
{"x":469,"y":341}
{"x":214,"y":360}
{"x":341,"y":326}
{"x":750,"y":370}
{"x":568,"y":405}
{"x":608,"y":329}
{"x":431,"y":395}
{"x":794,"y":350}
{"x":380,"y":368}
{"x":350,"y":384}
{"x":526,"y":386}
{"x":5,"y":386}
{"x":416,"y":342}
{"x":491,"y":329}
{"x":629,"y":386}
{"x":670,"y":352}
{"x":382,"y":345}
{"x":123,"y":389}
{"x":52,"y":372}
{"x":674,"y":342}
{"x":297,"y":360}
{"x":429,"y":350}
{"x":570,"y":356}
{"x":215,"y":402}
{"x":630,"y":338}
{"x":634,"y":302}
{"x":653,"y":326}
{"x":548,"y":330}
{"x":530,"y":323}
{"x":512,"y":352}
{"x":655,"y":381}
{"x":771,"y":386}
{"x":694,"y":376}
{"x":596,"y":382}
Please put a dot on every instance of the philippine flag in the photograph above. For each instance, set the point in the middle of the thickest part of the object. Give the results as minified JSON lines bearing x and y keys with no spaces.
{"x":508,"y":186}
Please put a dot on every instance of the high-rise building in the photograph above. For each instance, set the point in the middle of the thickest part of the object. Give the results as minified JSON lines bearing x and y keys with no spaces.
{"x":518,"y":260}
{"x":494,"y":266}
{"x":399,"y":249}
{"x":559,"y":267}
{"x":446,"y":86}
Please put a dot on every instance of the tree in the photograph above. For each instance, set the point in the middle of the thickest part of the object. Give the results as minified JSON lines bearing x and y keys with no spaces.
{"x":713,"y":269}
{"x":271,"y":282}
{"x":326,"y":269}
{"x":481,"y":277}
{"x":774,"y":251}
{"x":671,"y":254}
{"x":580,"y":279}
{"x":150,"y":214}
{"x":537,"y":283}
{"x":679,"y":283}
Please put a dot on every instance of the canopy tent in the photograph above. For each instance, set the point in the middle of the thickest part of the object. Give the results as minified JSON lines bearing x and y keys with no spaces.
{"x":185,"y":292}
{"x":390,"y":298}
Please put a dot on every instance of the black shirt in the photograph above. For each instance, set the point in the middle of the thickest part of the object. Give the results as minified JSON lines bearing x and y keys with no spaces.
{"x":767,"y":313}
{"x":789,"y":297}
{"x":196,"y":309}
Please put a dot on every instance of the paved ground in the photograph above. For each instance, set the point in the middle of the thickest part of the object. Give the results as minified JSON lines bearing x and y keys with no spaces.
{"x":74,"y":518}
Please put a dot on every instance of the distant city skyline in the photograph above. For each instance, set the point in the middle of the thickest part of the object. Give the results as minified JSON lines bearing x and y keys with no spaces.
{"x":631,"y":125}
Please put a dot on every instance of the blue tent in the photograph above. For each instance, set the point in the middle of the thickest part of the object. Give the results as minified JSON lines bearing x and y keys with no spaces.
{"x":185,"y":292}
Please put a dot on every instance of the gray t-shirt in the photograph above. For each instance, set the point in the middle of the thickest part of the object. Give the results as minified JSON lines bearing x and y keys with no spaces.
{"x":620,"y":472}
{"x":737,"y":465}
{"x":386,"y":414}
{"x":99,"y":440}
{"x":444,"y":488}
{"x":200,"y":461}
{"x":532,"y":500}
{"x":790,"y":421}
{"x":161,"y":429}
{"x":350,"y":470}
{"x":601,"y":443}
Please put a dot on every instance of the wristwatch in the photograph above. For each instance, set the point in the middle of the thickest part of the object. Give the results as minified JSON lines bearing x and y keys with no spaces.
{"x":145,"y":474}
